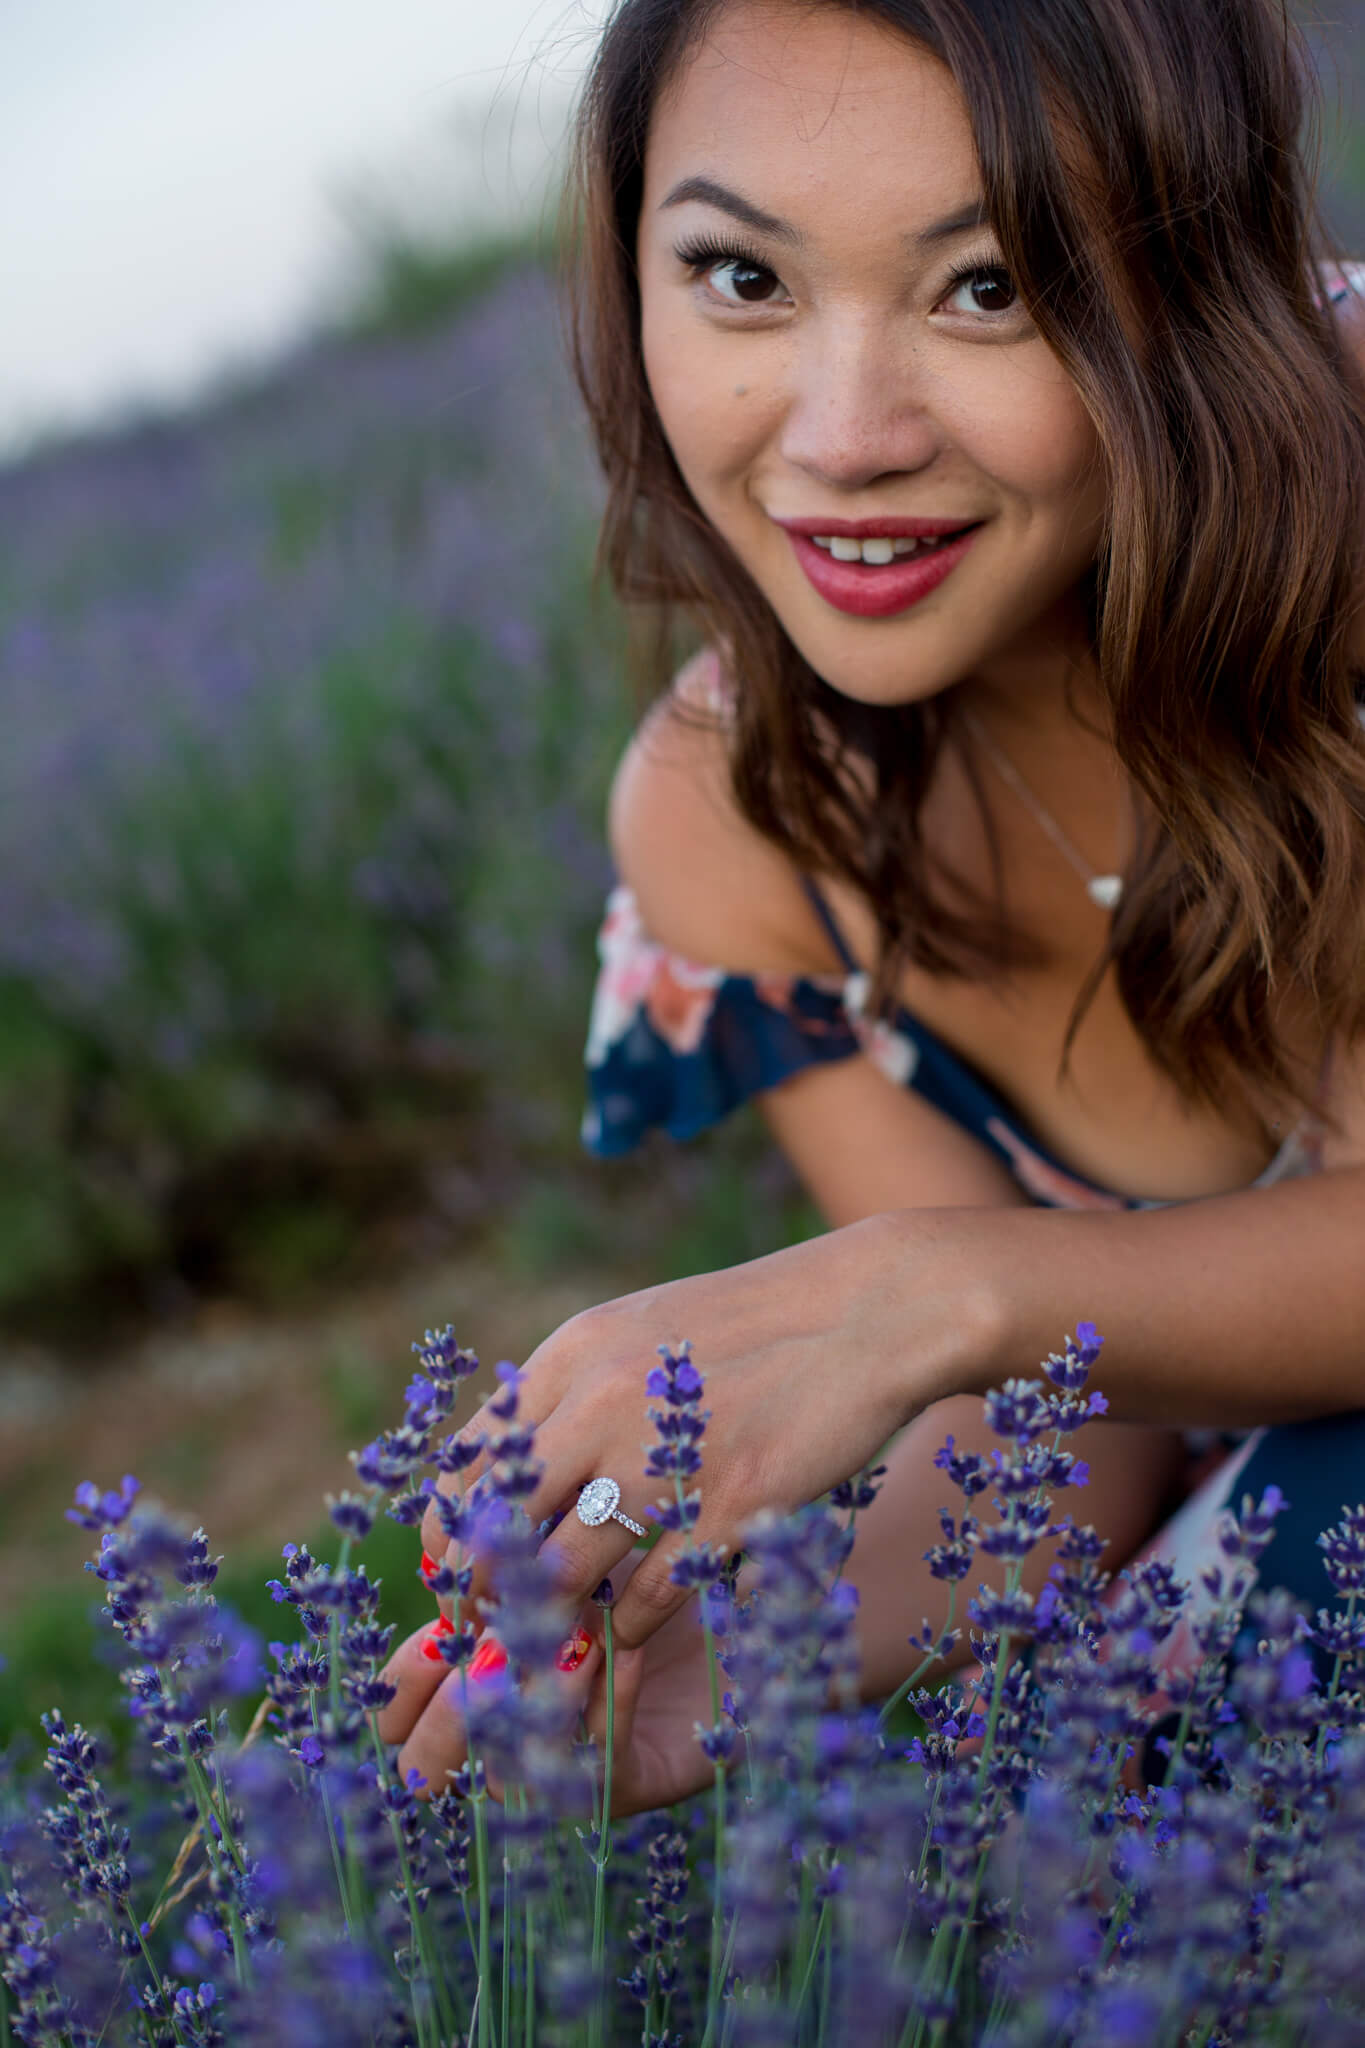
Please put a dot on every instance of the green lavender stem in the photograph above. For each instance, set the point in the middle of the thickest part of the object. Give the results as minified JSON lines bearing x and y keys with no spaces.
{"x":713,"y":1977}
{"x":506,"y":2031}
{"x":149,"y":1960}
{"x":529,"y":1945}
{"x":599,"y":1897}
{"x":198,"y":1784}
{"x":810,"y":1964}
{"x":907,"y":1685}
{"x":419,"y":2003}
{"x":481,"y":1866}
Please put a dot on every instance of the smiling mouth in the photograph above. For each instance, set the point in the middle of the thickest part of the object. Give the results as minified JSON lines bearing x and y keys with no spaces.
{"x":877,"y":543}
{"x":877,"y":549}
{"x":876,"y":569}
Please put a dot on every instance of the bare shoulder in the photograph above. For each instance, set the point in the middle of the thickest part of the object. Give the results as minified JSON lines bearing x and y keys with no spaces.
{"x":709,"y":885}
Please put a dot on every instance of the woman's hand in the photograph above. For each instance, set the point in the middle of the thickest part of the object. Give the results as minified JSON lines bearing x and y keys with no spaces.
{"x":662,"y":1691}
{"x":812,"y":1358}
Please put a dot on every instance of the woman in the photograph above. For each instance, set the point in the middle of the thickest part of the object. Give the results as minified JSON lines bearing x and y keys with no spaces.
{"x":961,"y":368}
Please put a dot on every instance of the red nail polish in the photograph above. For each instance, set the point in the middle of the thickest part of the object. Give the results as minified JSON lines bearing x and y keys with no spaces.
{"x":573,"y":1650}
{"x":431,"y":1641}
{"x":490,"y":1657}
{"x":429,"y":1566}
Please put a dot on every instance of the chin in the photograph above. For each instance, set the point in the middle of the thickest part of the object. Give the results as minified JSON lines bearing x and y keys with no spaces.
{"x":885,"y":670}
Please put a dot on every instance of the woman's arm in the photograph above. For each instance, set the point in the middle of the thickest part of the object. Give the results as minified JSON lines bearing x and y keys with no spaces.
{"x":1235,"y":1310}
{"x":1241,"y":1309}
{"x":862,"y":1146}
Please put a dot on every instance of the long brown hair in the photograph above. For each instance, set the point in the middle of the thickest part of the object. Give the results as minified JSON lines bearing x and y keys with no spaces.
{"x":1145,"y":170}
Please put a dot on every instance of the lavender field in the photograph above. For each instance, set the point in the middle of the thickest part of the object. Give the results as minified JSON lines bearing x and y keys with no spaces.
{"x":309,"y":718}
{"x":310,"y":712}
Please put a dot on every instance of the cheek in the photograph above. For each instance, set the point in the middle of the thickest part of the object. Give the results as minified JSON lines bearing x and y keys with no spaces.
{"x":714,"y":412}
{"x":1031,"y":433}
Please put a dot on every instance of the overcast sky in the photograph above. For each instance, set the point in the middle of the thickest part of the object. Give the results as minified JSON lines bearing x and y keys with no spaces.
{"x":175,"y":175}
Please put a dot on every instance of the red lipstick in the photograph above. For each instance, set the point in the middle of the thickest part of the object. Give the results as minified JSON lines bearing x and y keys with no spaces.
{"x":878,"y":591}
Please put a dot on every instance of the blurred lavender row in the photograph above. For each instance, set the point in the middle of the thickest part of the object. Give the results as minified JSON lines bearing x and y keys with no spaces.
{"x":308,"y":717}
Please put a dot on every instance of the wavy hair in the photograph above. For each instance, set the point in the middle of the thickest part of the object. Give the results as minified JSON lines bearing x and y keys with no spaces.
{"x":1146,"y":171}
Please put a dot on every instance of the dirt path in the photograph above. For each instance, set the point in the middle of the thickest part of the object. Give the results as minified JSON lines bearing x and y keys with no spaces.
{"x":242,"y":1421}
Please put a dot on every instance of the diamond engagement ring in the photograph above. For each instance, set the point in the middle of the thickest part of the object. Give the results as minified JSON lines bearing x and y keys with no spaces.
{"x":597,"y":1503}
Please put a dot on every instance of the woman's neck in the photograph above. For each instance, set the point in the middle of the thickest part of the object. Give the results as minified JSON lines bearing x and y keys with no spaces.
{"x":1042,"y":691}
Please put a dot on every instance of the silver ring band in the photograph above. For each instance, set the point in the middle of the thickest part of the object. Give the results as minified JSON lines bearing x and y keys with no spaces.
{"x":597,"y":1503}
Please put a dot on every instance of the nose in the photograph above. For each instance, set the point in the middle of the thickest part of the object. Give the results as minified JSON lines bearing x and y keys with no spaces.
{"x":856,"y":412}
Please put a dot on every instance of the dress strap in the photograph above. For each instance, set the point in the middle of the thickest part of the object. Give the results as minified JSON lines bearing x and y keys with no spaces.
{"x":818,"y":904}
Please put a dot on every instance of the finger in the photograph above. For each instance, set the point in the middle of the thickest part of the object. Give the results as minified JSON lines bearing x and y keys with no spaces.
{"x":502,"y":1432}
{"x":579,"y":1558}
{"x":526,"y":1396}
{"x":653,"y":1596}
{"x":549,"y":1510}
{"x":454,"y":1485}
{"x":438,"y":1742}
{"x":416,"y":1668}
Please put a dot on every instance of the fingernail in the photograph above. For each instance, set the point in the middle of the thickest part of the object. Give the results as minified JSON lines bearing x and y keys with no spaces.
{"x":488,"y":1658}
{"x":429,"y":1566}
{"x":431,"y":1642}
{"x":573,"y":1650}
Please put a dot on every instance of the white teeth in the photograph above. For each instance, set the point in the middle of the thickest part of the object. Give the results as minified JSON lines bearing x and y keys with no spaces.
{"x":877,"y":550}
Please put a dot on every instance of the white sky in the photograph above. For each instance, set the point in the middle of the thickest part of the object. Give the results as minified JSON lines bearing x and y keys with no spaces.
{"x":174,"y":174}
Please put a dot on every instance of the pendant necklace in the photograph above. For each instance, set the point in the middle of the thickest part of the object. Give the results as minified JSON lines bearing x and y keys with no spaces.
{"x":1106,"y":891}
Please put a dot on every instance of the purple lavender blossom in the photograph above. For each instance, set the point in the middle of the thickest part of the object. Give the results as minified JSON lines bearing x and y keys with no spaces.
{"x":1023,"y":1852}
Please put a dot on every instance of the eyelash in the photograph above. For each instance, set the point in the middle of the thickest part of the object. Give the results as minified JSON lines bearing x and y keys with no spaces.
{"x":707,"y":250}
{"x":700,"y":255}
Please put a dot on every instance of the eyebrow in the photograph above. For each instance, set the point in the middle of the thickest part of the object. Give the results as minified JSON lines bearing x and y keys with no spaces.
{"x":708,"y":192}
{"x":743,"y":210}
{"x":971,"y":216}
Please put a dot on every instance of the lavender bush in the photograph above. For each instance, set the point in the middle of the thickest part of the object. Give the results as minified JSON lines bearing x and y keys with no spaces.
{"x":1008,"y":1876}
{"x":309,"y":726}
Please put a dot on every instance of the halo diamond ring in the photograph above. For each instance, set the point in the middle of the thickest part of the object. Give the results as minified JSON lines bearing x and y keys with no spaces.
{"x":597,"y":1503}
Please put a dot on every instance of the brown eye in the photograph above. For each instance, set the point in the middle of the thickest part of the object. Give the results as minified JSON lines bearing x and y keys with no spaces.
{"x":989,"y":289}
{"x":742,"y":282}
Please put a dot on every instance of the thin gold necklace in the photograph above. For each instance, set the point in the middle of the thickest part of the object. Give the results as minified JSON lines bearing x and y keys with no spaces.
{"x":1106,"y":891}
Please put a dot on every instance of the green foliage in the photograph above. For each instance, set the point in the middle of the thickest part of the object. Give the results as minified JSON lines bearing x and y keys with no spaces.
{"x":55,"y":1647}
{"x":338,"y":888}
{"x":734,"y":1219}
{"x":415,"y":283}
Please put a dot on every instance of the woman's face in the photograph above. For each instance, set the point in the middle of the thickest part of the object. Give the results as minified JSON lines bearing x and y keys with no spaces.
{"x":839,"y":359}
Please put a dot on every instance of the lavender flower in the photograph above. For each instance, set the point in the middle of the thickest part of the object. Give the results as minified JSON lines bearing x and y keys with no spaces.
{"x":1042,"y":1860}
